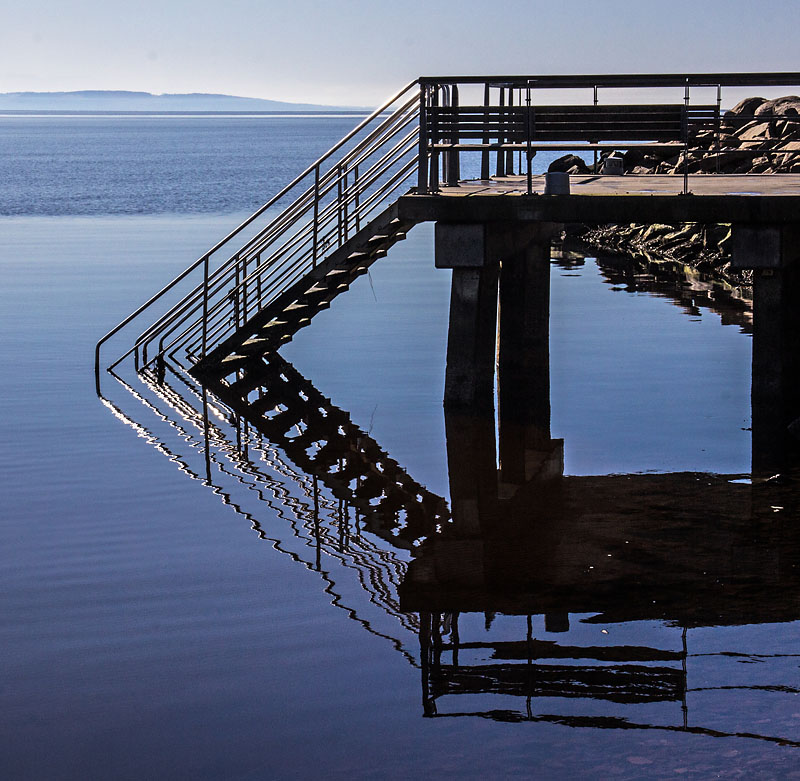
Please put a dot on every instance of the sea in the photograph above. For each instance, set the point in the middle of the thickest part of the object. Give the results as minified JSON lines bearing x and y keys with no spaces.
{"x":185,"y":601}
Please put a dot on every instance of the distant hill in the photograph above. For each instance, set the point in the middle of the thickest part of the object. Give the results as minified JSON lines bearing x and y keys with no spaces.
{"x":123,"y":100}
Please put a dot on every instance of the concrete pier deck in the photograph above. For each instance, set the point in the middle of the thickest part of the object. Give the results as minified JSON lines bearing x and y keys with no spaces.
{"x":744,"y":198}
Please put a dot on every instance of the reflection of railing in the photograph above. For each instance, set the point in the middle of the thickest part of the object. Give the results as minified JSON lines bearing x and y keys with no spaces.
{"x":324,"y":525}
{"x":532,"y":669}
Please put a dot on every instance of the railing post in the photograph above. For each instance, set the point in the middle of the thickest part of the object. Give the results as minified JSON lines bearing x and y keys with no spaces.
{"x":453,"y":166}
{"x":316,"y":213}
{"x":237,"y":282}
{"x":422,"y":156}
{"x":595,"y":151}
{"x":486,"y":139}
{"x":345,"y":217}
{"x":717,"y":122}
{"x":434,"y":138}
{"x":258,"y":281}
{"x":339,"y":202}
{"x":244,"y":291}
{"x":529,"y":138}
{"x":686,"y":139}
{"x":500,"y":167}
{"x":205,"y":306}
{"x":510,"y":152}
{"x":357,"y":204}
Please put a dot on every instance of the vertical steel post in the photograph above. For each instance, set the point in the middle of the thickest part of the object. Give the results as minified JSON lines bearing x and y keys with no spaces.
{"x":258,"y":281}
{"x":357,"y":205}
{"x":244,"y":291}
{"x":422,"y":155}
{"x":454,"y":172}
{"x":205,"y":305}
{"x":236,"y":293}
{"x":686,"y":139}
{"x":595,"y":151}
{"x":445,"y":153}
{"x":316,"y":213}
{"x":434,"y":138}
{"x":339,"y":201}
{"x":717,"y":122}
{"x":486,"y":139}
{"x":345,"y":218}
{"x":509,"y":137}
{"x":500,"y":166}
{"x":529,"y":138}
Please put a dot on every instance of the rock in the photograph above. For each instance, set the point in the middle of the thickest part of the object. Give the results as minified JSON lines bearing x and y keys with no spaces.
{"x":741,"y":112}
{"x":632,"y":158}
{"x":779,"y":106}
{"x":754,"y":131}
{"x":566,"y":163}
{"x":746,"y":107}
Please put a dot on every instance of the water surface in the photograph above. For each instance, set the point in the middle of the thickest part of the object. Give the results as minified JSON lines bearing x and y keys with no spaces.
{"x":161,"y":623}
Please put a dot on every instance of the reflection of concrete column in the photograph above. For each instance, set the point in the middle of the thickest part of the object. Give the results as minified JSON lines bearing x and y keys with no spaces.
{"x":472,"y":469}
{"x":773,"y":252}
{"x":524,"y":359}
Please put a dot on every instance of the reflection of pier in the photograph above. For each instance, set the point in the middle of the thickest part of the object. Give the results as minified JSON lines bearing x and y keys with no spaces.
{"x":684,"y":550}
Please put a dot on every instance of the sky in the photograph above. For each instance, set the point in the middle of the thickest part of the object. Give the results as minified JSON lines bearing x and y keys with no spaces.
{"x":355,"y":52}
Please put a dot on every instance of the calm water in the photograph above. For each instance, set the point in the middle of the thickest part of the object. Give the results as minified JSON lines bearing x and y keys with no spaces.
{"x":167,"y":615}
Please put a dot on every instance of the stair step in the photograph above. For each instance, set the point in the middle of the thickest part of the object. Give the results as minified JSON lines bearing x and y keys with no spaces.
{"x":318,"y":288}
{"x":295,"y":307}
{"x":377,"y":238}
{"x":358,"y":255}
{"x":336,"y":272}
{"x":234,"y":361}
{"x":255,"y":346}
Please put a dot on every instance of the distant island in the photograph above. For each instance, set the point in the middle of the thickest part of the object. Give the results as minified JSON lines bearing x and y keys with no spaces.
{"x":123,"y":100}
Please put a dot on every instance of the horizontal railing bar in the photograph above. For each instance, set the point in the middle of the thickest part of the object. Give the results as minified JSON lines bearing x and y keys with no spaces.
{"x":773,"y":79}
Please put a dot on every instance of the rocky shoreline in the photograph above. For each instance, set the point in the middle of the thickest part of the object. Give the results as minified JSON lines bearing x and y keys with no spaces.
{"x":757,"y":136}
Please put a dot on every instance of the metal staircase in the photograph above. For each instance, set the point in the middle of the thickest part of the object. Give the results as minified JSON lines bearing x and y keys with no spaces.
{"x":267,"y":278}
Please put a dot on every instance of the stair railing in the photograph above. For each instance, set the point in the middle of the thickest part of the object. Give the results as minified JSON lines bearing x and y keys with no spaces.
{"x":331,"y":201}
{"x":293,"y":258}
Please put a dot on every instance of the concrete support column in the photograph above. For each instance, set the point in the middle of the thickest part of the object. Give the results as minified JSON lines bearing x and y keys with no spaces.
{"x":473,"y":251}
{"x":472,"y":332}
{"x":773,"y":253}
{"x":524,"y":360}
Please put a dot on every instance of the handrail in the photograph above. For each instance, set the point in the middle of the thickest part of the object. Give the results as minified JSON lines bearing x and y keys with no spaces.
{"x":203,"y":259}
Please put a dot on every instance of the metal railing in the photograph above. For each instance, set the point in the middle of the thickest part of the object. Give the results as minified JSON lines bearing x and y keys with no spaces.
{"x":498,"y":115}
{"x":307,"y":220}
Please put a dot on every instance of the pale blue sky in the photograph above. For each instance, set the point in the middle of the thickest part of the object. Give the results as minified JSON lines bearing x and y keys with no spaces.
{"x":356,"y":52}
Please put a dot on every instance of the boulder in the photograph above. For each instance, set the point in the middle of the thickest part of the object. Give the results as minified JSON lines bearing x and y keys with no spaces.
{"x":566,"y":163}
{"x":754,"y":131}
{"x":747,"y":107}
{"x":779,"y":106}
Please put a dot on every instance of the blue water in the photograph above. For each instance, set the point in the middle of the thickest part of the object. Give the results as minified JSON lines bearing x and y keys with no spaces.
{"x":155,"y":626}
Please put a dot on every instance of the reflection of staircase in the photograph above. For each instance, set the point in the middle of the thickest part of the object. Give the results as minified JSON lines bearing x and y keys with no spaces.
{"x":294,"y":308}
{"x":321,"y":439}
